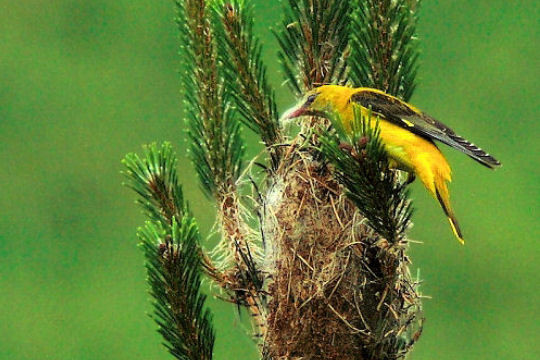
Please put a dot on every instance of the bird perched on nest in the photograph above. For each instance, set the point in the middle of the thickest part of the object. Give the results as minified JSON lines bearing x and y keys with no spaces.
{"x":406,"y":132}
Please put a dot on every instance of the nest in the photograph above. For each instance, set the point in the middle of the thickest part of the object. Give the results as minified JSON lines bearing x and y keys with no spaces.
{"x":336,"y":289}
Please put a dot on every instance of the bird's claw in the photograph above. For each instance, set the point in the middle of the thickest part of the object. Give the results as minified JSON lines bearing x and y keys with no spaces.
{"x":346,"y":147}
{"x":353,"y":151}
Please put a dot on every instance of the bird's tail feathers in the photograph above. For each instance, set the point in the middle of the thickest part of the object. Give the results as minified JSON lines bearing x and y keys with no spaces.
{"x":441,"y":190}
{"x":474,"y":151}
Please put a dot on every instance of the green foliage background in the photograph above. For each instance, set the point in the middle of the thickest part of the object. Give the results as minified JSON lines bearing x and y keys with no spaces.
{"x":84,"y":82}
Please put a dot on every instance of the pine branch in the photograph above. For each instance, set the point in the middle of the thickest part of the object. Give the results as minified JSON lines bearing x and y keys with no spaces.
{"x":170,"y":241}
{"x":384,"y":46}
{"x":314,"y":43}
{"x":214,"y":131}
{"x":329,"y":287}
{"x":174,"y":273}
{"x":361,"y":166}
{"x":216,"y":146}
{"x":154,"y":178}
{"x":245,"y":73}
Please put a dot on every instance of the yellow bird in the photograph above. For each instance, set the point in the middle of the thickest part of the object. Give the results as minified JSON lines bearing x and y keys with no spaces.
{"x":406,"y":132}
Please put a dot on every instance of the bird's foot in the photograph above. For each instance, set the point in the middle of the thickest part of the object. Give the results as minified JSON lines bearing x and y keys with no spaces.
{"x":346,"y":147}
{"x":362,"y":142}
{"x":358,"y":152}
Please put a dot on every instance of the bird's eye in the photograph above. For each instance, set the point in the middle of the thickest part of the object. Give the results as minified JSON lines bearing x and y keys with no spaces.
{"x":311,"y":99}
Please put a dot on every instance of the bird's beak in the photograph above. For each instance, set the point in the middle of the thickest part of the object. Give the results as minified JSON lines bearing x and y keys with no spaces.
{"x":294,"y":113}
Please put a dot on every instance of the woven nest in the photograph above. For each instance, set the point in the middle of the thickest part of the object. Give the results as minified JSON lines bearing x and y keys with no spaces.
{"x":337,"y":290}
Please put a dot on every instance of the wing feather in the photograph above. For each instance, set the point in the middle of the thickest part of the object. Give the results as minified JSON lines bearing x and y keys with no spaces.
{"x":400,"y":113}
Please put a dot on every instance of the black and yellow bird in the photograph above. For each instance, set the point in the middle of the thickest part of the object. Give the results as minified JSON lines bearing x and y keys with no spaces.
{"x":406,"y":132}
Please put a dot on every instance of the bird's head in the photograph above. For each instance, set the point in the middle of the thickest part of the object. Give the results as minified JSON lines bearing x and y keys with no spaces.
{"x":321,"y":101}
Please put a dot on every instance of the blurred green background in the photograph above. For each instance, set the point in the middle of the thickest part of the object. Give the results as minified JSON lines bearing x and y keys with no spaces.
{"x":84,"y":82}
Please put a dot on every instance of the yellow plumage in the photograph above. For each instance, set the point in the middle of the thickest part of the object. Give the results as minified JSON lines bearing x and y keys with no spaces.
{"x":406,"y":132}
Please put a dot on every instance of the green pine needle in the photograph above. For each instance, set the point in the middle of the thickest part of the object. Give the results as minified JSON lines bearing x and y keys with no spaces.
{"x":170,"y":241}
{"x":384,"y":46}
{"x":314,"y":40}
{"x":153,"y":177}
{"x":174,"y":274}
{"x":244,"y":71}
{"x":217,"y":149}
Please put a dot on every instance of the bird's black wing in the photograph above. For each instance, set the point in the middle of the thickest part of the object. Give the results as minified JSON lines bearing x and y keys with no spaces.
{"x":402,"y":114}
